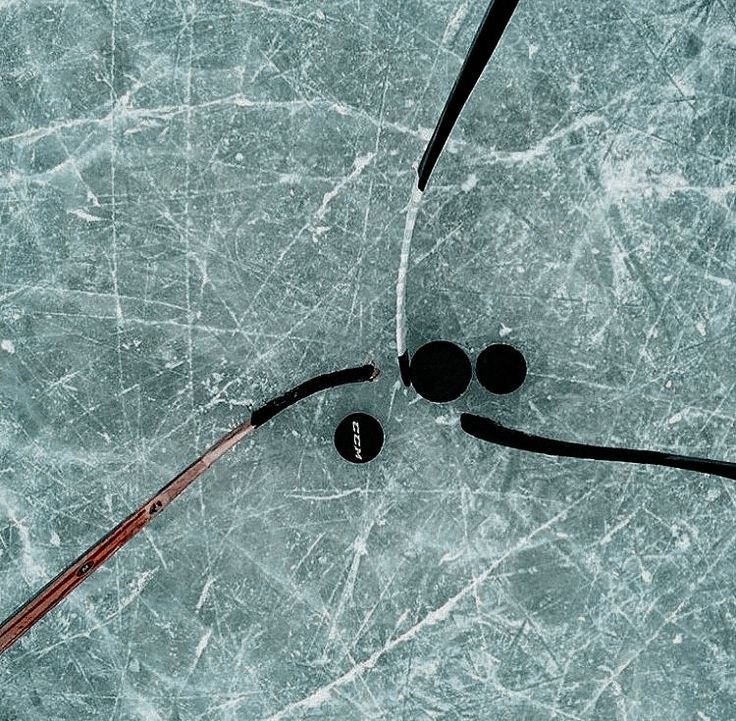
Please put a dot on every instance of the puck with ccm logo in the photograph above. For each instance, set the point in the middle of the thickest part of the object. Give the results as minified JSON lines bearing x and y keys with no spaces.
{"x":359,"y":438}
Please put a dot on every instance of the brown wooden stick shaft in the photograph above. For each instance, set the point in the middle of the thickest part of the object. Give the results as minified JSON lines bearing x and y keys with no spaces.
{"x":83,"y":567}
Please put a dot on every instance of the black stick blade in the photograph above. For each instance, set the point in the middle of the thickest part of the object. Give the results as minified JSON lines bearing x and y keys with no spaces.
{"x":486,"y":40}
{"x":364,"y":373}
{"x":487,"y":430}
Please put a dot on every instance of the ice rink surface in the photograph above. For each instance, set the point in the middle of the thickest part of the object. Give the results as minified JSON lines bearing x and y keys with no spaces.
{"x":202,"y":203}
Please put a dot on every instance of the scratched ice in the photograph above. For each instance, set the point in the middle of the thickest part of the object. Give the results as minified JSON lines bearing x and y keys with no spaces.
{"x":203,"y":203}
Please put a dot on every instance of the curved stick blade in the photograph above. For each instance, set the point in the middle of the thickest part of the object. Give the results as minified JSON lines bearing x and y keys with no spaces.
{"x":487,"y":430}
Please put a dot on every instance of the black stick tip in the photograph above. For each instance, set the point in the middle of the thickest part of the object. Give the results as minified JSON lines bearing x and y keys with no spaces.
{"x":422,"y":177}
{"x":404,"y":368}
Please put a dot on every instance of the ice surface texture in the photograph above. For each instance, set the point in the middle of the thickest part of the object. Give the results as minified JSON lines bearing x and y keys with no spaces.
{"x":203,"y":203}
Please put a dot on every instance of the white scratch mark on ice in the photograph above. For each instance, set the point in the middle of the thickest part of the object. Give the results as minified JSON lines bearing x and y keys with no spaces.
{"x":455,"y":21}
{"x":360,"y":549}
{"x":359,"y":165}
{"x":136,"y":588}
{"x":261,"y":5}
{"x":331,"y":497}
{"x":205,"y":591}
{"x":725,"y":282}
{"x":297,"y":566}
{"x":35,"y":570}
{"x":470,"y":183}
{"x":203,"y":643}
{"x":411,"y":220}
{"x":394,"y":390}
{"x":450,"y":557}
{"x":84,"y":215}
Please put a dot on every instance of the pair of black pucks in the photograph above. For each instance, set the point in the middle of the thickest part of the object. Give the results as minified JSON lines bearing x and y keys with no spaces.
{"x":441,"y":371}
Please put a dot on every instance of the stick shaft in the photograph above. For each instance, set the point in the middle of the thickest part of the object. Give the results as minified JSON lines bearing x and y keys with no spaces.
{"x":83,"y":567}
{"x":489,"y":34}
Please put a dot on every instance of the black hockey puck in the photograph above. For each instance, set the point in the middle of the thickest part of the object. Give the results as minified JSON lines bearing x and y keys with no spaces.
{"x":501,"y":368}
{"x":441,"y":371}
{"x":359,"y":438}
